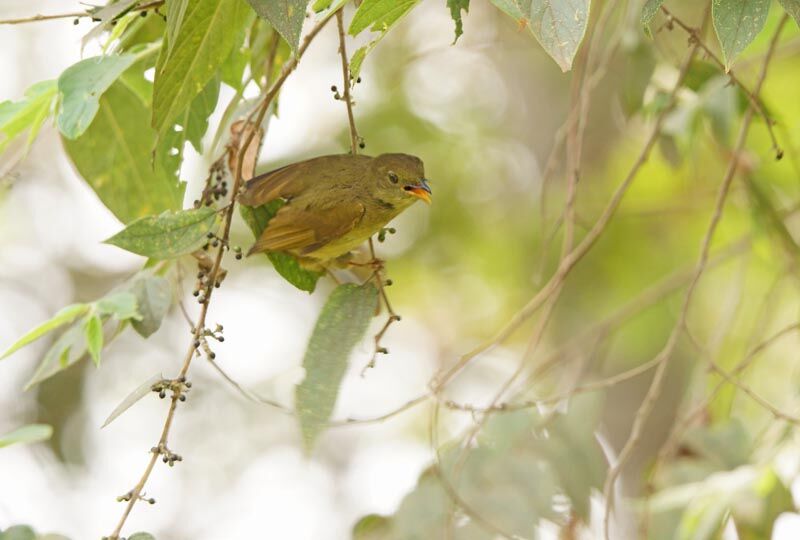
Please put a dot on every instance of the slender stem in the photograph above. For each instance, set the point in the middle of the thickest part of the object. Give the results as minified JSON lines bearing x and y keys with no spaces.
{"x":73,"y":15}
{"x":346,"y":82}
{"x":135,"y":494}
{"x":694,"y":35}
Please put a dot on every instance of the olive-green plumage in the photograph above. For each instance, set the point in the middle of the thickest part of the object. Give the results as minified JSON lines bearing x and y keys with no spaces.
{"x":334,"y":203}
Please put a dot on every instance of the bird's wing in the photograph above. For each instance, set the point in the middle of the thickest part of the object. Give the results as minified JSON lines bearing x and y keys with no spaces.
{"x":306,"y":230}
{"x":292,"y":180}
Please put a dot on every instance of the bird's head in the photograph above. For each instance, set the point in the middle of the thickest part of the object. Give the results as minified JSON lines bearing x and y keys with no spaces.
{"x":401,"y":179}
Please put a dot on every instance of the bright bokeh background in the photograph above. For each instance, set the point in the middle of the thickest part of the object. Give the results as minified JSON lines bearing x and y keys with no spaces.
{"x":482,"y":115}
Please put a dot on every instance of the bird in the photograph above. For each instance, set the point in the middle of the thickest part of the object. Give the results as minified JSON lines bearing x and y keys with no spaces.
{"x":334,"y":203}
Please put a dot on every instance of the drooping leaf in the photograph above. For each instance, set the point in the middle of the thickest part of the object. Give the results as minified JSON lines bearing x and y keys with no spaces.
{"x":26,"y":434}
{"x":114,"y":156}
{"x":138,"y":393}
{"x":456,"y":6}
{"x":120,"y":305}
{"x":204,"y":40}
{"x":358,"y":58}
{"x":167,"y":235}
{"x":737,"y":23}
{"x":286,"y":265}
{"x":649,"y":11}
{"x":792,"y":7}
{"x":70,"y":347}
{"x":558,"y":25}
{"x":28,"y":114}
{"x":286,"y":16}
{"x":64,"y":316}
{"x":81,"y":85}
{"x":94,"y":337}
{"x":153,"y":299}
{"x":341,"y":325}
{"x":379,"y":15}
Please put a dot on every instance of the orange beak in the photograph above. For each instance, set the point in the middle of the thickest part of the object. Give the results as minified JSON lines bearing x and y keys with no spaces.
{"x":421,"y":190}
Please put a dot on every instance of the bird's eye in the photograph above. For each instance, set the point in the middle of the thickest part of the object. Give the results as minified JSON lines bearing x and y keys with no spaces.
{"x":393,"y":178}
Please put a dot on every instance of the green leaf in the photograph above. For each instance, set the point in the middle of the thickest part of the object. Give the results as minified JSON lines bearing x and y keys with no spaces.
{"x":286,"y":265}
{"x":358,"y":59}
{"x":120,"y":305}
{"x":176,"y":11}
{"x":558,"y":25}
{"x":167,"y":235}
{"x":320,"y":5}
{"x":341,"y":325}
{"x":142,"y":390}
{"x":94,"y":337}
{"x":456,"y":6}
{"x":64,"y":316}
{"x":25,"y":435}
{"x":204,"y":40}
{"x":792,"y":7}
{"x":379,"y":15}
{"x":737,"y":23}
{"x":28,"y":114}
{"x":141,"y":536}
{"x":649,"y":11}
{"x":114,"y":156}
{"x":286,"y":16}
{"x":153,"y":299}
{"x":81,"y":86}
{"x":70,"y":347}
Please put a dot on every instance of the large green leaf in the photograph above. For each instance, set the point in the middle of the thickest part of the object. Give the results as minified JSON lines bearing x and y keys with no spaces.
{"x":167,"y":235}
{"x":204,"y":40}
{"x":285,"y":264}
{"x":114,"y":156}
{"x":81,"y":85}
{"x":341,"y":325}
{"x":792,"y":7}
{"x":558,"y":25}
{"x":26,"y":434}
{"x":65,"y":316}
{"x":28,"y":114}
{"x":737,"y":23}
{"x":286,"y":16}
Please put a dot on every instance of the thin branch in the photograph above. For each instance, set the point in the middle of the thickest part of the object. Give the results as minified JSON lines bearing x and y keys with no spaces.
{"x":586,"y":244}
{"x":73,"y":15}
{"x":664,"y":356}
{"x":161,"y":449}
{"x":694,"y":35}
{"x":346,"y":82}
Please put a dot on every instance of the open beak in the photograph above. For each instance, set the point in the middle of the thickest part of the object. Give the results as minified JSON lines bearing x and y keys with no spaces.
{"x":421,"y":190}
